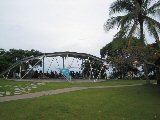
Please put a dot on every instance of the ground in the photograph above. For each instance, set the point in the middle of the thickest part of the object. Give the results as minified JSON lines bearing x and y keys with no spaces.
{"x":121,"y":103}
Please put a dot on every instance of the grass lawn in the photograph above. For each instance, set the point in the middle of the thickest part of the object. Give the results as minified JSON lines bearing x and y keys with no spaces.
{"x":10,"y":87}
{"x":127,"y":103}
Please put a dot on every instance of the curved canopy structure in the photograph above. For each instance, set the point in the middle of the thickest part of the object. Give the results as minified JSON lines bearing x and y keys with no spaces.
{"x":55,"y":54}
{"x":73,"y":54}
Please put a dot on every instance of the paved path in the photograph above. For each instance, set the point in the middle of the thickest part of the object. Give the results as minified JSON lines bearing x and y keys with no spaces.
{"x":57,"y":91}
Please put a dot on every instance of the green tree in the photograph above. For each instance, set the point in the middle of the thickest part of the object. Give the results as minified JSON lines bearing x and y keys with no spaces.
{"x":12,"y":56}
{"x":132,"y":16}
{"x":122,"y":57}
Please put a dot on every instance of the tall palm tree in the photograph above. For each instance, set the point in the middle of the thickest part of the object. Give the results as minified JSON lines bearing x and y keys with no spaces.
{"x":132,"y":17}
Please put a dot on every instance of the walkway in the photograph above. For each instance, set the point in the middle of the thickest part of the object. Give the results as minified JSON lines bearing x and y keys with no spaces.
{"x":53,"y":92}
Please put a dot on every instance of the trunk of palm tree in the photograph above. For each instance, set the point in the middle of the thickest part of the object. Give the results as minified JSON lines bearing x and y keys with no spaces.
{"x":146,"y":73}
{"x":158,"y":76}
{"x":144,"y":46}
{"x":157,"y":63}
{"x":158,"y":44}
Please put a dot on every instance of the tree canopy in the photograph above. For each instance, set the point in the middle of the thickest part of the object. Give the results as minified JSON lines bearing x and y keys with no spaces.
{"x":132,"y":16}
{"x":9,"y":57}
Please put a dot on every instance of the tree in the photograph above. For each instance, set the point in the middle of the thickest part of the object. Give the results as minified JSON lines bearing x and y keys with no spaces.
{"x":135,"y":15}
{"x":8,"y":58}
{"x":122,"y":57}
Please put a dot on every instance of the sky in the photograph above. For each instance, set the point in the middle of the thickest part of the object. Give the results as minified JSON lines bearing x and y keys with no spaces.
{"x":55,"y":25}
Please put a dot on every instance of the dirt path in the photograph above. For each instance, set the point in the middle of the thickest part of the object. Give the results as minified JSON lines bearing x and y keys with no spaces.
{"x":53,"y":92}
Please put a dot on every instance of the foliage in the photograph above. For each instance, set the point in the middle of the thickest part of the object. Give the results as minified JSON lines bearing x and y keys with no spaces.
{"x":131,"y":17}
{"x":118,"y":45}
{"x":121,"y":55}
{"x":8,"y":58}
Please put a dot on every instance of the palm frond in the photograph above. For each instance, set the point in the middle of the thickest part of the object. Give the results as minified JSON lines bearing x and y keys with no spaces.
{"x":121,"y":21}
{"x":152,"y":31}
{"x":127,"y":31}
{"x":121,"y":6}
{"x":112,"y":22}
{"x":122,"y":32}
{"x":153,"y":9}
{"x":152,"y":27}
{"x":147,"y":3}
{"x":132,"y":30}
{"x":127,"y":19}
{"x":154,"y":22}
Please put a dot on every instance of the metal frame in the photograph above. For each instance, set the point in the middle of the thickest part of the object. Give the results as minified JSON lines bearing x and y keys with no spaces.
{"x":55,"y":54}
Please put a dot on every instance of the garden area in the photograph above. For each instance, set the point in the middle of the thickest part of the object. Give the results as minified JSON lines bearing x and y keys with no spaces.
{"x":123,"y":103}
{"x":11,"y":87}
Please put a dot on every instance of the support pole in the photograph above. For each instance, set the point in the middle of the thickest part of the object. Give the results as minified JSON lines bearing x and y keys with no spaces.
{"x":82,"y":67}
{"x":63,"y":62}
{"x":20,"y":71}
{"x":31,"y":69}
{"x":43,"y":67}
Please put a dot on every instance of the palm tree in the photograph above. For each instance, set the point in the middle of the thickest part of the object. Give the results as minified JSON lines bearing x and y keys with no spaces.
{"x":132,"y":17}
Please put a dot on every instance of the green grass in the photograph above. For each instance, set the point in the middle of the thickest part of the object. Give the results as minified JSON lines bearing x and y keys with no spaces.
{"x":28,"y":86}
{"x":127,"y":103}
{"x":19,"y":87}
{"x":49,"y":86}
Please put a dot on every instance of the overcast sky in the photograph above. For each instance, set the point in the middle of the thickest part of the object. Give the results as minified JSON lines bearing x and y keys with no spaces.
{"x":54,"y":25}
